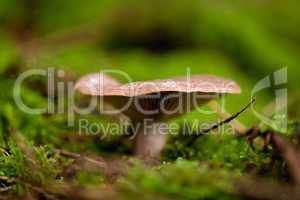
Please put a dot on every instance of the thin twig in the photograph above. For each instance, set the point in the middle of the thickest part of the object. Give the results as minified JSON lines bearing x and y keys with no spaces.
{"x":229,"y":119}
{"x":4,"y":151}
{"x":217,"y":125}
{"x":7,"y":179}
{"x":65,"y":153}
{"x":74,"y":192}
{"x":238,"y":126}
{"x":41,"y":191}
{"x":5,"y":189}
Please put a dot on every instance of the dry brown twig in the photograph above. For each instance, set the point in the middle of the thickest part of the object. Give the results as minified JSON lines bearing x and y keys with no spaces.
{"x":101,"y":164}
{"x":74,"y":192}
{"x":227,"y":120}
{"x":40,"y":190}
{"x":111,"y":167}
{"x":238,"y":126}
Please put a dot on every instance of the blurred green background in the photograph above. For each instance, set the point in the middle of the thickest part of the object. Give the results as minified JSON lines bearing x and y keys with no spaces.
{"x":242,"y":41}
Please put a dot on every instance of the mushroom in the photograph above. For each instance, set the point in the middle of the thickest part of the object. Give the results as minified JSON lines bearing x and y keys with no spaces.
{"x":149,"y":104}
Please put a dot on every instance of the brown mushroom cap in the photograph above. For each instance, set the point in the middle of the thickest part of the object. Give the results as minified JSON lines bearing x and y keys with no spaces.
{"x":99,"y":84}
{"x":176,"y":94}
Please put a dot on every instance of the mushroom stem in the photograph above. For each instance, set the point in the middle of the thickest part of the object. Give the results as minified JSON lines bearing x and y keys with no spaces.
{"x":150,"y":140}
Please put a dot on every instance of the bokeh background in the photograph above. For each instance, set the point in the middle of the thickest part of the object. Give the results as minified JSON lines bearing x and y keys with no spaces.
{"x":243,"y":41}
{"x":240,"y":40}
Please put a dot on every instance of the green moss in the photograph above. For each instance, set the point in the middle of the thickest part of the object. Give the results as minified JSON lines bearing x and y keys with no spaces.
{"x":182,"y":179}
{"x":226,"y":39}
{"x":31,"y":165}
{"x":220,"y":150}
